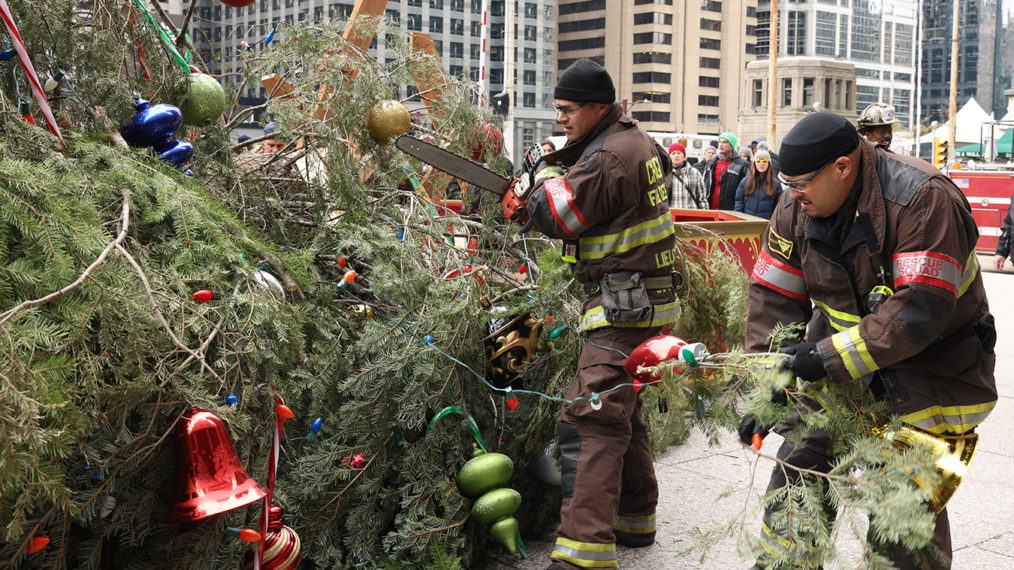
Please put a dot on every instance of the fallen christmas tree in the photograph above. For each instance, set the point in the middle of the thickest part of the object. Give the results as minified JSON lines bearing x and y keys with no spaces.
{"x":131,"y":293}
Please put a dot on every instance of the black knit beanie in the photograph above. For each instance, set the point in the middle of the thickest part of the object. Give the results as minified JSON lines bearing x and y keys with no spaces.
{"x":585,"y":82}
{"x":816,"y":140}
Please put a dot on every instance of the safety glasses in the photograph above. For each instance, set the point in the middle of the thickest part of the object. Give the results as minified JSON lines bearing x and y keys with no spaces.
{"x":803,"y":184}
{"x":567,"y":110}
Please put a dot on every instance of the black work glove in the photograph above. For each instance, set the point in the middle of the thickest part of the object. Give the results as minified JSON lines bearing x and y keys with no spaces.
{"x":804,"y":362}
{"x":748,"y":426}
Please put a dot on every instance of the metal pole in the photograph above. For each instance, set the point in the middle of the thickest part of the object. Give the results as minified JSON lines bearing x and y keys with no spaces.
{"x":772,"y":73}
{"x":917,"y":125}
{"x":952,"y":112}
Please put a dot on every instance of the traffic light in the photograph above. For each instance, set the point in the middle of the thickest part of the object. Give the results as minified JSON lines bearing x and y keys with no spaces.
{"x":939,"y":153}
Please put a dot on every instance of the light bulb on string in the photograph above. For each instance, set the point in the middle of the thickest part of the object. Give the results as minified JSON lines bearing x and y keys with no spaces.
{"x":558,"y":331}
{"x":244,"y":534}
{"x":347,"y":279}
{"x":595,"y":402}
{"x":315,"y":429}
{"x":283,"y":411}
{"x":512,"y":399}
{"x":25,"y":108}
{"x":231,"y":400}
{"x":205,"y":295}
{"x":7,"y":54}
{"x":54,"y":80}
{"x":36,"y":544}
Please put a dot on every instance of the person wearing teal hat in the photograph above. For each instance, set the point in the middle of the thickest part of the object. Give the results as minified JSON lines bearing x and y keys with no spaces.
{"x":723,"y":173}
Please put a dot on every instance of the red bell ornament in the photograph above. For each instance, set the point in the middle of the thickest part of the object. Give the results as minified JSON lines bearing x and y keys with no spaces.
{"x":238,"y":3}
{"x":652,"y":352}
{"x":210,"y":476}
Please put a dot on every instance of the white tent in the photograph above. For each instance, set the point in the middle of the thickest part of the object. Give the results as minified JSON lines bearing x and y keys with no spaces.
{"x":969,"y":120}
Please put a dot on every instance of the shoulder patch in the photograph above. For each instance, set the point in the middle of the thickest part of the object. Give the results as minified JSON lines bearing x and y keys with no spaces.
{"x":779,"y":245}
{"x":899,"y":181}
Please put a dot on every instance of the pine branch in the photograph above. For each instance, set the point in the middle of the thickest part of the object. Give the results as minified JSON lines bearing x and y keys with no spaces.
{"x":124,"y":222}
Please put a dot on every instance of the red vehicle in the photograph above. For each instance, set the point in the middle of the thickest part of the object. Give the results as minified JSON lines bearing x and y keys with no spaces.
{"x":988,"y":192}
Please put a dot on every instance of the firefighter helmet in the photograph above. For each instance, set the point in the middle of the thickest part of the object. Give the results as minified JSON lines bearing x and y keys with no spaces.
{"x":876,"y":115}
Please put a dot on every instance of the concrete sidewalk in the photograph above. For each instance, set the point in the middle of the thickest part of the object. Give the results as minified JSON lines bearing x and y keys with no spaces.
{"x":702,"y":486}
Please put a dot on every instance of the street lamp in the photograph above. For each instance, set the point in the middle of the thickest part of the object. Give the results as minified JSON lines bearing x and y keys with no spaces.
{"x":627,"y":108}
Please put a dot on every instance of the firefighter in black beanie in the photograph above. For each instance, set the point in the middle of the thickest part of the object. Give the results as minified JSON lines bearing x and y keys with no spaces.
{"x":604,"y":195}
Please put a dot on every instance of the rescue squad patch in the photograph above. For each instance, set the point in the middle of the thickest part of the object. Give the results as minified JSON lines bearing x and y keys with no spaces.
{"x":778,"y":244}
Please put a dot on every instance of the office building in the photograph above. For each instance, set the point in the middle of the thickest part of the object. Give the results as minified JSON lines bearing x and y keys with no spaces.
{"x":526,"y":32}
{"x":877,"y":37}
{"x":980,"y":66}
{"x":677,"y":66}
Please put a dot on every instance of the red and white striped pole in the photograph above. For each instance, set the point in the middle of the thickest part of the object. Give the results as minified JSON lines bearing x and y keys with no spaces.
{"x":484,"y":27}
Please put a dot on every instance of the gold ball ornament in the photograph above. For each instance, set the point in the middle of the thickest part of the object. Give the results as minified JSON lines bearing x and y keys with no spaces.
{"x":387,"y":121}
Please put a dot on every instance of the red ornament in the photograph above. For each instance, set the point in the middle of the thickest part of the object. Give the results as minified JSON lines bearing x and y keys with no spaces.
{"x":485,"y":136}
{"x":358,"y":461}
{"x":211,"y":478}
{"x":238,"y":3}
{"x":282,"y":547}
{"x":652,"y":352}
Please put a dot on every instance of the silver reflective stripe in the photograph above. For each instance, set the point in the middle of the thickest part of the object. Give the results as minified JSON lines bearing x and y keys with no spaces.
{"x":566,"y":214}
{"x":779,"y":276}
{"x":971,"y":270}
{"x":657,"y":282}
{"x":854,"y":354}
{"x":636,"y":524}
{"x":652,"y":231}
{"x":663,"y":314}
{"x":585,"y":554}
{"x":927,"y":267}
{"x":949,"y":419}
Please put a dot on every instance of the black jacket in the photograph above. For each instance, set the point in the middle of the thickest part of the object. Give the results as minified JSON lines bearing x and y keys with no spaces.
{"x":1003,"y":245}
{"x":733,"y":175}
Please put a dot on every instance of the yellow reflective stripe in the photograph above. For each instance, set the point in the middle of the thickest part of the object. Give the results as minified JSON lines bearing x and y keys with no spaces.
{"x":549,"y":172}
{"x":569,"y":258}
{"x":652,"y":231}
{"x":840,"y":320}
{"x":971,"y":270}
{"x":949,"y":419}
{"x":585,"y":554}
{"x":779,"y":547}
{"x":864,"y":353}
{"x":854,"y":354}
{"x":636,"y":525}
{"x":663,"y":314}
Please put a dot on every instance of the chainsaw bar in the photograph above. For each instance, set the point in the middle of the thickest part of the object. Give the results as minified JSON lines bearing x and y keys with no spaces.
{"x":453,"y":164}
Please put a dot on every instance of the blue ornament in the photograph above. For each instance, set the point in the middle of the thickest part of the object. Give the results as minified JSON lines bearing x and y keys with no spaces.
{"x":151,"y":124}
{"x":428,"y":339}
{"x":231,"y":400}
{"x":176,"y":152}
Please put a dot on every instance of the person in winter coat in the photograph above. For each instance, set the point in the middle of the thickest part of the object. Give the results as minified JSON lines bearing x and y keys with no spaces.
{"x":746,"y":154}
{"x":604,"y":195}
{"x":760,"y":190}
{"x":876,"y":252}
{"x":687,"y":189}
{"x":1003,"y":245}
{"x":723,"y":173}
{"x":709,"y":153}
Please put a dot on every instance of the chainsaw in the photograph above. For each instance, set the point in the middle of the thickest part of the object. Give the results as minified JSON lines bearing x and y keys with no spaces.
{"x":511,"y":191}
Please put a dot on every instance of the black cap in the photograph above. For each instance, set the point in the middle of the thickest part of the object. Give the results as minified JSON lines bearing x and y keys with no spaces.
{"x":815,"y":141}
{"x":585,"y":82}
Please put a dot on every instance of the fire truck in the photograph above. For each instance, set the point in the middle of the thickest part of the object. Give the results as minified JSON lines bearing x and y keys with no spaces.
{"x":988,"y":192}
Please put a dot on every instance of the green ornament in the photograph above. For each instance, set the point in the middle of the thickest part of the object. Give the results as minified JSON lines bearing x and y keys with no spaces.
{"x":495,"y":505}
{"x":202,"y":101}
{"x":506,"y":531}
{"x":485,"y":472}
{"x":387,"y":121}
